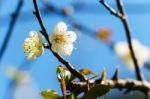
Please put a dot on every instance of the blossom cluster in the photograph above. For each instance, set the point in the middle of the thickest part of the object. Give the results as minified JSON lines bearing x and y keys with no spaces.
{"x":62,"y":42}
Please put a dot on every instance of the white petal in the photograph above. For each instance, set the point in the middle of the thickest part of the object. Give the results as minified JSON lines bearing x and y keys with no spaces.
{"x":60,"y":27}
{"x":67,"y":49}
{"x":33,"y":33}
{"x":27,"y":40}
{"x":70,"y":36}
{"x":56,"y":47}
{"x":51,"y":37}
{"x":121,"y":49}
{"x":31,"y":56}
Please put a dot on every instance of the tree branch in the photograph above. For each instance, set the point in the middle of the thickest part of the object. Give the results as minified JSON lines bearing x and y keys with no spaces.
{"x":10,"y":28}
{"x":124,"y":20}
{"x":61,"y":59}
{"x":130,"y":84}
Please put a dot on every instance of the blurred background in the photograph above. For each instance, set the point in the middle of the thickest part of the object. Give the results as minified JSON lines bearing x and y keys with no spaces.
{"x":24,"y":79}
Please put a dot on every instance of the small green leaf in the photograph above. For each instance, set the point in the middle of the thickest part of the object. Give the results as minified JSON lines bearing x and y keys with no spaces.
{"x":85,"y":71}
{"x":72,"y":96}
{"x":103,"y":75}
{"x":50,"y":94}
{"x":63,"y":73}
{"x":60,"y":73}
{"x":97,"y":91}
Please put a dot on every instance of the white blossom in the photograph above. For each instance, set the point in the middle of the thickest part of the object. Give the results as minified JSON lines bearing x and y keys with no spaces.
{"x":33,"y":46}
{"x":142,"y":53}
{"x":62,"y":40}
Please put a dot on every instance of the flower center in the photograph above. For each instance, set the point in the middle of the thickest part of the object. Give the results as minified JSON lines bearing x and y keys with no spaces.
{"x":127,"y":56}
{"x":59,"y":39}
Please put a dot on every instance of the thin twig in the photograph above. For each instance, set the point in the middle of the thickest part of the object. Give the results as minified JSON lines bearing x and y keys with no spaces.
{"x":129,"y":39}
{"x":124,"y":20}
{"x":110,"y":9}
{"x":10,"y":28}
{"x":61,"y":59}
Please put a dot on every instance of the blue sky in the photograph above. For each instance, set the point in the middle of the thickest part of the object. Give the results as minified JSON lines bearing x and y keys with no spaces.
{"x":95,"y":57}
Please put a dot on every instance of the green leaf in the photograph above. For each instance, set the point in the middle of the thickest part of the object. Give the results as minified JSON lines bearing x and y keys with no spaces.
{"x":103,"y":75}
{"x":63,"y":73}
{"x":69,"y":78}
{"x":60,"y":73}
{"x":50,"y":94}
{"x":97,"y":91}
{"x":72,"y":96}
{"x":85,"y":71}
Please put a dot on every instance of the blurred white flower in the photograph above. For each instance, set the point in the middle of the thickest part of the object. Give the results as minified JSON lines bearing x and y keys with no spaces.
{"x":142,"y":53}
{"x":62,"y":40}
{"x":23,"y":77}
{"x":25,"y":87}
{"x":11,"y":72}
{"x":19,"y":76}
{"x":33,"y":46}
